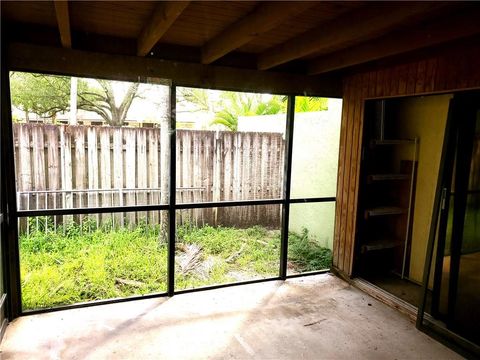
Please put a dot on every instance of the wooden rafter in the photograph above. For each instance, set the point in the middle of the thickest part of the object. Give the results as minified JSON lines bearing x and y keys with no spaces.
{"x":264,"y":17}
{"x":352,"y":28}
{"x":63,"y":21}
{"x":163,"y":17}
{"x":452,"y":28}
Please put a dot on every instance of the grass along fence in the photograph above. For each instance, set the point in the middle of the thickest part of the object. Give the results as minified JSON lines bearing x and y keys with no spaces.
{"x":60,"y":166}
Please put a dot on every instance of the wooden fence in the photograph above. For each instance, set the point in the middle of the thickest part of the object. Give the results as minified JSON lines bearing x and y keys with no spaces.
{"x":59,"y":166}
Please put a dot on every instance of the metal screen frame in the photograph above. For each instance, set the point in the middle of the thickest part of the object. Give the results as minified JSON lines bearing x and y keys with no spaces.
{"x":13,"y":215}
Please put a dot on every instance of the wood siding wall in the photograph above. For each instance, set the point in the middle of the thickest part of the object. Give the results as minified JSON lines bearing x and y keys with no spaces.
{"x":456,"y":69}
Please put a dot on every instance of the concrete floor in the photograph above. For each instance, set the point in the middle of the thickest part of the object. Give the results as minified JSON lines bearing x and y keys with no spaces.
{"x":315,"y":317}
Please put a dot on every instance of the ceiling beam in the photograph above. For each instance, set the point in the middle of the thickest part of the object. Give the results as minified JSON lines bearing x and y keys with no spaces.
{"x":63,"y":21}
{"x":451,"y":28}
{"x":354,"y":27}
{"x":264,"y":17}
{"x":52,"y":60}
{"x":162,"y":18}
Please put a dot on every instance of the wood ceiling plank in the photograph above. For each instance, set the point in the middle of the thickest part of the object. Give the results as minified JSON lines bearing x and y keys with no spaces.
{"x":264,"y":18}
{"x":63,"y":21}
{"x":451,"y":28}
{"x":322,"y":12}
{"x":119,"y":19}
{"x":354,"y":27}
{"x":203,"y":20}
{"x":163,"y":17}
{"x":32,"y":12}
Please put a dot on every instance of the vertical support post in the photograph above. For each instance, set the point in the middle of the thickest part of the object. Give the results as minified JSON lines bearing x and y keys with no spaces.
{"x":9,"y":244}
{"x":172,"y":190}
{"x":287,"y":177}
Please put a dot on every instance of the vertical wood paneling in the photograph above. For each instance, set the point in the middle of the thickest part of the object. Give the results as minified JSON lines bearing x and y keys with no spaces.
{"x":448,"y":72}
{"x":441,"y":78}
{"x":451,"y":75}
{"x":394,"y":84}
{"x":340,"y":176}
{"x":379,"y":85}
{"x":354,"y":159}
{"x":342,"y":198}
{"x":412,"y":77}
{"x":357,"y":160}
{"x":474,"y":74}
{"x":420,"y":77}
{"x":373,"y":81}
{"x":387,"y":79}
{"x":402,"y":80}
{"x":430,"y":75}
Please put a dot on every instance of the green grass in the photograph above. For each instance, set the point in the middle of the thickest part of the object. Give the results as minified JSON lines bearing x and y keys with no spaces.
{"x":78,"y":264}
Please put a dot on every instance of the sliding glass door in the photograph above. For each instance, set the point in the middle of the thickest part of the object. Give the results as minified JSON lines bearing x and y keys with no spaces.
{"x":456,"y":283}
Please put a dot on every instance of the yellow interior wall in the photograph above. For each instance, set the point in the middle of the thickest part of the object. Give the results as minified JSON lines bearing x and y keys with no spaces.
{"x":424,"y":118}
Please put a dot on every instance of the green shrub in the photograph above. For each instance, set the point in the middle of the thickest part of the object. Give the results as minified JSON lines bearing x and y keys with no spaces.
{"x":306,"y":254}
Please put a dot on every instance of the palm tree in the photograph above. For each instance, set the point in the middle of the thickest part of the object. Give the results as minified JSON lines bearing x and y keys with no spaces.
{"x":231,"y":105}
{"x":236,"y":104}
{"x":310,"y":104}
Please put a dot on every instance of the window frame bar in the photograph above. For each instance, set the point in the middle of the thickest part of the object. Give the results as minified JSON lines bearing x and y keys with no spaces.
{"x":15,"y":301}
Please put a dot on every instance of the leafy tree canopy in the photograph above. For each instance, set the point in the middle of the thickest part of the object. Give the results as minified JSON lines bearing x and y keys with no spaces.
{"x":48,"y":95}
{"x":39,"y":94}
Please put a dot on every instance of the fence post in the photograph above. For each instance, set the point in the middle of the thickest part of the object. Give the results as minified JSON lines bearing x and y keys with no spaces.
{"x":66,"y":170}
{"x":92,"y":151}
{"x":217,"y":157}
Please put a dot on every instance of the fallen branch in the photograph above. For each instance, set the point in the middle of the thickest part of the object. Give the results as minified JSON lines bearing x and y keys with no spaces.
{"x":191,"y":259}
{"x":315,"y":322}
{"x":181,"y":247}
{"x":261,"y":242}
{"x":235,"y":255}
{"x":133,"y":283}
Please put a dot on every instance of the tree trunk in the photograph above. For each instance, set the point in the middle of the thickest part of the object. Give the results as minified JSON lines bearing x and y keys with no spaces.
{"x":73,"y":101}
{"x":164,"y":109}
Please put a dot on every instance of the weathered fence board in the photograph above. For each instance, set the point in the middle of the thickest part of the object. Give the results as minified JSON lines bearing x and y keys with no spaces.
{"x":62,"y":166}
